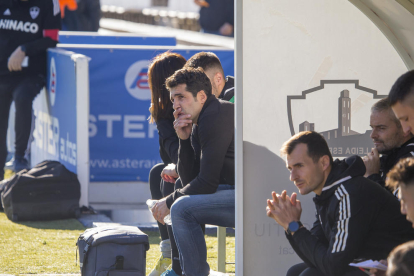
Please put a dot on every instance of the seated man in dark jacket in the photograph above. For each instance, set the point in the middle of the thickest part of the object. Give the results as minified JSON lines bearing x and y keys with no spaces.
{"x":389,"y":140}
{"x":222,"y":87}
{"x":208,"y":178}
{"x":355,"y":217}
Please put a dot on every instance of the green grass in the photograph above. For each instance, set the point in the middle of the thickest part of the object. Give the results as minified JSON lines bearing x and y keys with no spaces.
{"x":50,"y":247}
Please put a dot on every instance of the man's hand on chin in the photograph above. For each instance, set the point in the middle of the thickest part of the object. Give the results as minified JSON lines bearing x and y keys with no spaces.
{"x":372,"y":162}
{"x":182,"y":124}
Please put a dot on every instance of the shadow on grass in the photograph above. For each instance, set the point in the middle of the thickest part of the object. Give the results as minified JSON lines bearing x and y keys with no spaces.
{"x":61,"y":224}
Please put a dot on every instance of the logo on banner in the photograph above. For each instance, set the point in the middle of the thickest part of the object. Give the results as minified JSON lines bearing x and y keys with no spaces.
{"x":136,"y":80}
{"x":329,"y":109}
{"x":7,"y":12}
{"x":52,"y":82}
{"x":34,"y":12}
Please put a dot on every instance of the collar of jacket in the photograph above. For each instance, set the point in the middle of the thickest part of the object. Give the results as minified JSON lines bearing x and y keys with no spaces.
{"x":229,"y":85}
{"x":209,"y":100}
{"x":342,"y":170}
{"x":404,"y":149}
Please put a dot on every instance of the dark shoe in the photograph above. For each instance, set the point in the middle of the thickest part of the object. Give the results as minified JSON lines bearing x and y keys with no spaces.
{"x":17,"y":164}
{"x":21,"y":164}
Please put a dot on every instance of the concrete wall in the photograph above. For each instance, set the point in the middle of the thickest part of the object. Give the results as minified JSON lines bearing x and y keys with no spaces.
{"x":305,"y":53}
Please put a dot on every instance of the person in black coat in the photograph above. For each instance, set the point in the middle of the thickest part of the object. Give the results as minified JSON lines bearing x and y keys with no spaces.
{"x":355,"y":217}
{"x":208,"y":178}
{"x":216,"y":16}
{"x":389,"y":140}
{"x":163,"y":66}
{"x":27,"y":29}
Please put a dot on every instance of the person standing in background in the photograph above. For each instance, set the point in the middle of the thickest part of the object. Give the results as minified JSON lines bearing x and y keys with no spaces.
{"x":27,"y":29}
{"x":85,"y":17}
{"x":217,"y":16}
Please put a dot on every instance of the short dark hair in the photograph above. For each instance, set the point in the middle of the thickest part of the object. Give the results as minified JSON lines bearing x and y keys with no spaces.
{"x":205,"y":60}
{"x":401,"y":173}
{"x":195,"y":79}
{"x":401,"y":260}
{"x":402,"y":88}
{"x":384,"y":105}
{"x":317,"y":146}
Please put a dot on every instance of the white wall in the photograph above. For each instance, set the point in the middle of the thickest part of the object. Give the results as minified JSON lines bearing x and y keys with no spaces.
{"x":282,"y":49}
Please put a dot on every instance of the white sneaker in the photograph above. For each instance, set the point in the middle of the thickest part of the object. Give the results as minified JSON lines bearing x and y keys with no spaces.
{"x":216,"y":273}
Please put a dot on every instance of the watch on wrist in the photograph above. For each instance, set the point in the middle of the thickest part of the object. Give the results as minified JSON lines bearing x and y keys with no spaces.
{"x":293,"y":227}
{"x":23,"y":48}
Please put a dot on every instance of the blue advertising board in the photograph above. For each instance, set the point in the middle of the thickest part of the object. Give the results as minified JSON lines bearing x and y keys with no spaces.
{"x":55,"y":114}
{"x":93,"y":38}
{"x":123,"y":144}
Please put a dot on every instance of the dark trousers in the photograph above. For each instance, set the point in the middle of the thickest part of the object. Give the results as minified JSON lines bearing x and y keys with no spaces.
{"x":303,"y":269}
{"x":22,"y":90}
{"x":159,"y":189}
{"x":156,"y":193}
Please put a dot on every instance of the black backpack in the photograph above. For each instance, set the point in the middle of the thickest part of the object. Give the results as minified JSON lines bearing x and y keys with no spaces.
{"x":46,"y":192}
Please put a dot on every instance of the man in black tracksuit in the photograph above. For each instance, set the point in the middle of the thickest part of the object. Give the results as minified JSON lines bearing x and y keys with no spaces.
{"x":355,"y":217}
{"x":208,"y":178}
{"x":27,"y":29}
{"x":389,"y":140}
{"x":222,"y":88}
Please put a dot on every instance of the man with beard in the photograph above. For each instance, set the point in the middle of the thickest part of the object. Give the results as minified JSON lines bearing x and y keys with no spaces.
{"x":207,"y":196}
{"x":355,"y":217}
{"x":389,"y":140}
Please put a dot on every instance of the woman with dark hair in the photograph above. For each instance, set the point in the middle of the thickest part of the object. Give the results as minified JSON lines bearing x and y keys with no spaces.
{"x":163,"y":66}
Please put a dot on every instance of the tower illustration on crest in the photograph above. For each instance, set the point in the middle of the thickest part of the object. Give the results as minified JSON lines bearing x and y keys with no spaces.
{"x":344,"y":120}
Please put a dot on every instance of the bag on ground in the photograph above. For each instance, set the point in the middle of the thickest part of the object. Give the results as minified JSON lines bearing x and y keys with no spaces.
{"x":112,"y":251}
{"x":46,"y":192}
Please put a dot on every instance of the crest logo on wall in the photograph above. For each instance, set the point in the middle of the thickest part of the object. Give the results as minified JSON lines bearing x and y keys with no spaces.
{"x":340,"y":111}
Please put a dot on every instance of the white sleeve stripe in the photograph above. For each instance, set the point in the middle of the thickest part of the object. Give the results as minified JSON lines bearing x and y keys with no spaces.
{"x":339,"y":223}
{"x":348,"y":215}
{"x":341,"y":236}
{"x":412,"y":153}
{"x":343,"y":222}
